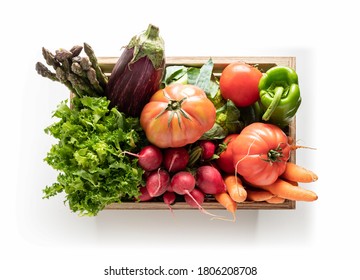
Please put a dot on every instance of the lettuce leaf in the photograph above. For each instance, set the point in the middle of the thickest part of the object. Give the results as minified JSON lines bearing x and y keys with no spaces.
{"x":227,"y":122}
{"x":93,"y":170}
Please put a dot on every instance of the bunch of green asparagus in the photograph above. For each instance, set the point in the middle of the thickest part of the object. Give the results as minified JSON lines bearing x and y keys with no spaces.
{"x":82,"y":75}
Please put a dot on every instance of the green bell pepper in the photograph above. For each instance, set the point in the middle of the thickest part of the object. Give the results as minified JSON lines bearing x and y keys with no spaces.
{"x":279,"y":95}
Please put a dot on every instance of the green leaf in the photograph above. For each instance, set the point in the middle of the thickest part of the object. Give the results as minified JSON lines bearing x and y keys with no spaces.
{"x":227,"y":122}
{"x":93,"y":171}
{"x":216,"y":132}
{"x":204,"y":77}
{"x":193,"y":73}
{"x":175,"y":73}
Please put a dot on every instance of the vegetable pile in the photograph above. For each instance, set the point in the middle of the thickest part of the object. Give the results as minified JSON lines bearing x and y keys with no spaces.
{"x":151,"y":132}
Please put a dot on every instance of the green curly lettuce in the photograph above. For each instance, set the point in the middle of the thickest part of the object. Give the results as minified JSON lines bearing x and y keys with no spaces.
{"x":93,"y":169}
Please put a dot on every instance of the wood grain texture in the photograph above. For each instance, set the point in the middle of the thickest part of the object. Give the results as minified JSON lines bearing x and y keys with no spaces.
{"x":220,"y":62}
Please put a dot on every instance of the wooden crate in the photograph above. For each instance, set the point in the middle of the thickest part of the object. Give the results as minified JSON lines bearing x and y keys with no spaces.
{"x":263,"y":64}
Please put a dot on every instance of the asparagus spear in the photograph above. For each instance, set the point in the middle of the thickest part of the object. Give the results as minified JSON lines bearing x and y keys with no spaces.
{"x":63,"y":55}
{"x":76,"y":68}
{"x":50,"y":58}
{"x":85,"y":63}
{"x":45,"y":72}
{"x":82,"y":75}
{"x":76,"y":50}
{"x":87,"y":75}
{"x":91,"y":75}
{"x":62,"y":77}
{"x":80,"y":86}
{"x":99,"y":73}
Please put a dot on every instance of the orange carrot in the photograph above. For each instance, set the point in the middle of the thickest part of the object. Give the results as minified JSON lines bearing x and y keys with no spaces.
{"x":294,"y":172}
{"x":235,"y":188}
{"x":275,"y":200}
{"x":258,"y":194}
{"x":295,"y":184}
{"x":286,"y":190}
{"x":225,"y":200}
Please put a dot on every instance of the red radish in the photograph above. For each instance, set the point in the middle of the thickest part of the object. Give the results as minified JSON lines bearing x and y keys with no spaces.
{"x":198,"y":195}
{"x":157,"y":182}
{"x":169,"y":198}
{"x":176,"y":159}
{"x":145,"y":196}
{"x":209,"y":180}
{"x":208,"y":149}
{"x":150,"y":157}
{"x":169,"y":188}
{"x":183,"y":183}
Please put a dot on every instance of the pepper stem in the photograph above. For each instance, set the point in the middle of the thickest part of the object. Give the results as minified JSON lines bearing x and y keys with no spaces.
{"x":278,"y":91}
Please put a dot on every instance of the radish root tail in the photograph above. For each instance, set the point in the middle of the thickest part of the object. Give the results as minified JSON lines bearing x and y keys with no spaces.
{"x":172,"y":162}
{"x":202,"y":210}
{"x":294,"y":146}
{"x":130,"y":153}
{"x":225,"y":219}
{"x":159,"y":180}
{"x":171,"y":210}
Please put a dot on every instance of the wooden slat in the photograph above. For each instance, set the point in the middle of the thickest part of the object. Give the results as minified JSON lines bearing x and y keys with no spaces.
{"x":207,"y":205}
{"x":220,"y":62}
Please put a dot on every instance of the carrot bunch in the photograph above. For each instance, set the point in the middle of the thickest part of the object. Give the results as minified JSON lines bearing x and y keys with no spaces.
{"x":235,"y":192}
{"x":286,"y":187}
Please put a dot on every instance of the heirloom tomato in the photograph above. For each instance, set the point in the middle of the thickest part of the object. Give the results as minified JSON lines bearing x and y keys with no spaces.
{"x":260,"y":153}
{"x":177,"y":115}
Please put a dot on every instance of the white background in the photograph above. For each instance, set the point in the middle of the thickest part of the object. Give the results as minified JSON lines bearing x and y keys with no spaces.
{"x":41,"y":239}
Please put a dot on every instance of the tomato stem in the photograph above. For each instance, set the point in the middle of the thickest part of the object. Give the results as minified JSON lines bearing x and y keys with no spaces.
{"x":175,"y":107}
{"x":274,"y":155}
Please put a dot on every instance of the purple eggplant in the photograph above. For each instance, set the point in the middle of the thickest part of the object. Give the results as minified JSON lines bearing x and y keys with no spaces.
{"x":138,"y":73}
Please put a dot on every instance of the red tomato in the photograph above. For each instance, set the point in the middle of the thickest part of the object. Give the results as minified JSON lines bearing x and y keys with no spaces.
{"x":239,"y":83}
{"x":225,"y":160}
{"x":177,"y":115}
{"x":260,"y":153}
